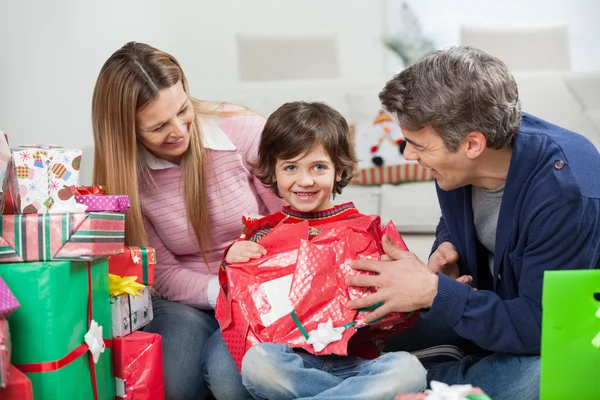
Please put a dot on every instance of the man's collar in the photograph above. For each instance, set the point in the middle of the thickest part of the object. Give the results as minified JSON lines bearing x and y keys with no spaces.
{"x":213,"y":138}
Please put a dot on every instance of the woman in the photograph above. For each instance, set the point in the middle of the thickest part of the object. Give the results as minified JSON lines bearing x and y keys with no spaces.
{"x":184,"y":164}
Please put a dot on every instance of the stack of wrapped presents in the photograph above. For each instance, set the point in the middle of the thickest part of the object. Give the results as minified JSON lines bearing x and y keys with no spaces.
{"x":72,"y":297}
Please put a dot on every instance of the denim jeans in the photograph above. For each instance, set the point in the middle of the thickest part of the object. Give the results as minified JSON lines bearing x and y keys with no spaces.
{"x":220,"y":372}
{"x":276,"y":372}
{"x":187,"y":361}
{"x":501,"y":376}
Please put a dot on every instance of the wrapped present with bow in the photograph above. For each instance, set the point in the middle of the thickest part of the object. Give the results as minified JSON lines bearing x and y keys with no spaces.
{"x":62,"y":335}
{"x":42,"y":177}
{"x":297,"y":294}
{"x":130,"y":305}
{"x":68,"y":236}
{"x":139,"y":367}
{"x":134,"y":261}
{"x":5,"y":346}
{"x":96,"y":198}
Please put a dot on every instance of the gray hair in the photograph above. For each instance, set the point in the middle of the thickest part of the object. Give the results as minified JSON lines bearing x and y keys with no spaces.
{"x":456,"y":91}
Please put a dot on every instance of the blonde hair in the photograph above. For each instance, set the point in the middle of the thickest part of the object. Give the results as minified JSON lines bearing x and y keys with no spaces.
{"x":129,"y":81}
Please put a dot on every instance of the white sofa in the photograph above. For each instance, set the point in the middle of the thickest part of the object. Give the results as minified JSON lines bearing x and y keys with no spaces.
{"x":569,"y":99}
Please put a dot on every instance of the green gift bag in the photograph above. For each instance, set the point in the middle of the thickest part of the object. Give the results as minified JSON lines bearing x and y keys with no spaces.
{"x":570,"y":363}
{"x":48,"y":331}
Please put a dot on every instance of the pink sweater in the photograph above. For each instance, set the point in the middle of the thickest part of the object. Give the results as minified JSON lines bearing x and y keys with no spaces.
{"x":180,"y":273}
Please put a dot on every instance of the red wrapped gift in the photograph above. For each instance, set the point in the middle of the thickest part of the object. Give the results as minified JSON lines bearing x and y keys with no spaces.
{"x":286,"y":295}
{"x":138,"y":366}
{"x":19,"y":386}
{"x":135,"y":261}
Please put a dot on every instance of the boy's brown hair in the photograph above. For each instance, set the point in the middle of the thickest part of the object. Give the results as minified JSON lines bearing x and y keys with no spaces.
{"x":294,"y":129}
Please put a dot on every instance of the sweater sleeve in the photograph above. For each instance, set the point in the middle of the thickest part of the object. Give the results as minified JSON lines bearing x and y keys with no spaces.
{"x":173,"y":281}
{"x":559,"y":238}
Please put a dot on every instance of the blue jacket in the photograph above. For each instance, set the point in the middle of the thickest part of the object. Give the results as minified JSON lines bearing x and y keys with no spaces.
{"x":549,"y":220}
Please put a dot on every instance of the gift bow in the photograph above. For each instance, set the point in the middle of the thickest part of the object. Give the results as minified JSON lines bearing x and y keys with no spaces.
{"x":87,"y":190}
{"x":442,"y":391}
{"x":326,"y":333}
{"x":124,"y":284}
{"x":93,"y":338}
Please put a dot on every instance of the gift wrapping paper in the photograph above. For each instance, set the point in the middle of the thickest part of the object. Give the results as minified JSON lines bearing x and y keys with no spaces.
{"x":104,"y":202}
{"x":59,"y":300}
{"x":130,"y":313}
{"x":138,"y":367}
{"x":18,"y":388}
{"x":4,"y":352}
{"x":570,"y":353}
{"x":44,"y":175}
{"x":134,"y":261}
{"x":8,"y":301}
{"x":314,"y":272}
{"x":69,"y":236}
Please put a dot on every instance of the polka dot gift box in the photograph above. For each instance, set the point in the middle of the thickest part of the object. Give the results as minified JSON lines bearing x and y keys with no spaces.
{"x":96,"y":198}
{"x":8,"y":302}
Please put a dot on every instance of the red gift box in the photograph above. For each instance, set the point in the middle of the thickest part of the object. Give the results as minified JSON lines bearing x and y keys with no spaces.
{"x":19,"y":386}
{"x":135,"y":261}
{"x":315,"y":271}
{"x":138,"y":366}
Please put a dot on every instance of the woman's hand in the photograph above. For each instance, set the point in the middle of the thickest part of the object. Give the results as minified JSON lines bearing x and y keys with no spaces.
{"x":243,"y":251}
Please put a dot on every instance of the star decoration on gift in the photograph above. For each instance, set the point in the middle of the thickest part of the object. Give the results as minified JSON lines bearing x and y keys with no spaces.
{"x":93,"y":338}
{"x":66,"y":159}
{"x":324,"y":335}
{"x":25,"y":156}
{"x":53,"y":185}
{"x":32,"y":187}
{"x":135,"y":258}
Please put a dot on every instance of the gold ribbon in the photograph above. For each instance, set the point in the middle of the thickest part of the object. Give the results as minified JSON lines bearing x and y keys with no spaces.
{"x":124,"y":284}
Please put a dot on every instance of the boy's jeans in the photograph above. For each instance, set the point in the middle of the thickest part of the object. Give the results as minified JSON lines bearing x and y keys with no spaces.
{"x":274,"y":371}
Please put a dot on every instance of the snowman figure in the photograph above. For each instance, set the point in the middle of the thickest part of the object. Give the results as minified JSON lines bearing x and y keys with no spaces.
{"x":389,"y":134}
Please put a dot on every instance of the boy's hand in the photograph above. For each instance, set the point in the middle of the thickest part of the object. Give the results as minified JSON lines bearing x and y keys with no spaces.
{"x":243,"y":251}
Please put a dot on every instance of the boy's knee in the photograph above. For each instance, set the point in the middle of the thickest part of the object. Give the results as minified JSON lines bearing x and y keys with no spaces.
{"x":259,"y":363}
{"x":262,"y":372}
{"x":409,"y":367}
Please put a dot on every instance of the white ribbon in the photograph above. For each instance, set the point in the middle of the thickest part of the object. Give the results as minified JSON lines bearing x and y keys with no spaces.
{"x":442,"y":391}
{"x":93,"y":338}
{"x":324,"y":335}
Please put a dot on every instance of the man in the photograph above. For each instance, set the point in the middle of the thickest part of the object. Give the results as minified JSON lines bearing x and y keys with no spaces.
{"x":519,"y":196}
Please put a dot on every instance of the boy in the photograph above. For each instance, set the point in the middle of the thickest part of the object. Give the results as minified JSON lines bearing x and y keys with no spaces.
{"x":305,"y":156}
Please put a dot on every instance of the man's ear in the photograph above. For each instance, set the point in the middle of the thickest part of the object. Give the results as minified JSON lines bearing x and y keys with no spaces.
{"x":475,"y":144}
{"x":338,"y":175}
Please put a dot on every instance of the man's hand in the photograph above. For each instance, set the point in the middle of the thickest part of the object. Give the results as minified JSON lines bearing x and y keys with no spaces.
{"x":444,"y":259}
{"x":243,"y":251}
{"x":403,"y":284}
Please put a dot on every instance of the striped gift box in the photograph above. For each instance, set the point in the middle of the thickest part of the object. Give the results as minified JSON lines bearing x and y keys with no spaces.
{"x":69,"y":236}
{"x":410,"y":172}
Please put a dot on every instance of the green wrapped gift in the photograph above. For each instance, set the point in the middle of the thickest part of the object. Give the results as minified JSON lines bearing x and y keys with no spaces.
{"x":48,"y":330}
{"x":570,"y":362}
